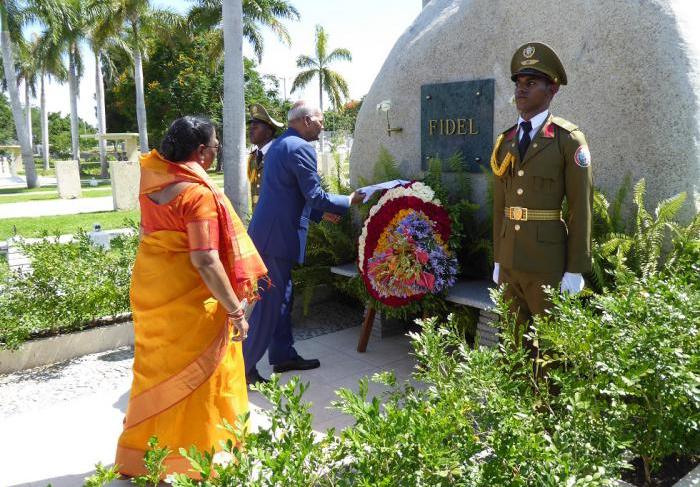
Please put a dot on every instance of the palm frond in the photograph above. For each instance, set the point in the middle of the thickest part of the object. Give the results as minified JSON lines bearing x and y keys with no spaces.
{"x":304,"y":61}
{"x":302,"y":79}
{"x":321,"y":44}
{"x":339,"y":54}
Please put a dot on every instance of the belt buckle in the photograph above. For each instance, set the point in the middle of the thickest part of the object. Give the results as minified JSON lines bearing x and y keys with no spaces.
{"x":518,"y":213}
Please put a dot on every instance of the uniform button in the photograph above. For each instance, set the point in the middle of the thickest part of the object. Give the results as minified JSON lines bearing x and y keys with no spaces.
{"x":517,"y":227}
{"x":521,"y":173}
{"x":534,"y":145}
{"x":520,"y":191}
{"x":512,"y":145}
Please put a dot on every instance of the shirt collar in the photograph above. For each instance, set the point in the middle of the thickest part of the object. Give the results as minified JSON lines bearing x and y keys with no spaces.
{"x":537,"y":120}
{"x":264,"y":148}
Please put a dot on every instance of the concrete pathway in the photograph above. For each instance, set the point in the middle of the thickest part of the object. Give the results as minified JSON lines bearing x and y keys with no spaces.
{"x":56,"y":207}
{"x":57,"y":422}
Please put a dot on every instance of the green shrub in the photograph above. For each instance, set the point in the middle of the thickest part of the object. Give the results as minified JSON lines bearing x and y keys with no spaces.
{"x":632,"y":356}
{"x":69,"y":286}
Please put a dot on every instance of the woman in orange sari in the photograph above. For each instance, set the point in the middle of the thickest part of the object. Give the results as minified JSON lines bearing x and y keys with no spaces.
{"x":194,"y":269}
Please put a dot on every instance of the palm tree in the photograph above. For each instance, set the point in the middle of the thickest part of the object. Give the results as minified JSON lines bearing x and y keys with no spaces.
{"x":27,"y":71}
{"x":65,"y":22}
{"x":48,"y":54}
{"x":235,"y":179}
{"x":329,"y":81}
{"x":102,"y":36}
{"x":207,"y":15}
{"x":138,"y":20}
{"x":12,"y":18}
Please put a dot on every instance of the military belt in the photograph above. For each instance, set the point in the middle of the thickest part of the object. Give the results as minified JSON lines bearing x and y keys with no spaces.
{"x":518,"y":213}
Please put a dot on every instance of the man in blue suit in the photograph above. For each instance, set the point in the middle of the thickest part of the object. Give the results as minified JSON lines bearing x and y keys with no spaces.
{"x":290,"y":196}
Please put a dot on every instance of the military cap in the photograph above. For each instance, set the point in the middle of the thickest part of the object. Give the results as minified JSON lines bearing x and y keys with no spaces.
{"x":259,"y":114}
{"x":537,"y":59}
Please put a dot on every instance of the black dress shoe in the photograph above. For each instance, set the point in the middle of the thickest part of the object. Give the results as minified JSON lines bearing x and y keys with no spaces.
{"x":296,"y":364}
{"x":255,"y":378}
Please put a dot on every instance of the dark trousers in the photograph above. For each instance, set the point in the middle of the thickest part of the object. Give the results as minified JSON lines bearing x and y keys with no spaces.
{"x":527,"y":298}
{"x":271,"y":322}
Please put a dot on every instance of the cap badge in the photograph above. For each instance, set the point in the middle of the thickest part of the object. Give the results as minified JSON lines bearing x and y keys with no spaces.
{"x":529,"y":51}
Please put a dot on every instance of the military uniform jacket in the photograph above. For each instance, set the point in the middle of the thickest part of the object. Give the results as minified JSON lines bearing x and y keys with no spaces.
{"x":556,"y":164}
{"x":255,"y":169}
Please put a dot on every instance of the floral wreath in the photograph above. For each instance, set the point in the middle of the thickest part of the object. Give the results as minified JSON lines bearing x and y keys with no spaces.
{"x":403,"y":252}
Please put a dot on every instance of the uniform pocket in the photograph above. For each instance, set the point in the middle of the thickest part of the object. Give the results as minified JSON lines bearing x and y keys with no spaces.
{"x":543,"y":177}
{"x":551,"y":232}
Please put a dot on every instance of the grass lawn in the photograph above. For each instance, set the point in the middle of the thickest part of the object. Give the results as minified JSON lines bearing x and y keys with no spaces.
{"x":64,"y":224}
{"x":49,"y":195}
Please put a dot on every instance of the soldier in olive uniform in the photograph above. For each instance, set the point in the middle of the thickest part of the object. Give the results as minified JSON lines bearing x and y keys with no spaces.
{"x":537,"y":163}
{"x":262,"y":129}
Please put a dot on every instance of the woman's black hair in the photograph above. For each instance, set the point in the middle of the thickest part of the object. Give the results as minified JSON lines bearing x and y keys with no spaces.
{"x":184,"y":136}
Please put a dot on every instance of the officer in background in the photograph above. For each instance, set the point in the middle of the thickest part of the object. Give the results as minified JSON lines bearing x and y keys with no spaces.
{"x":536,"y":163}
{"x":262,"y":130}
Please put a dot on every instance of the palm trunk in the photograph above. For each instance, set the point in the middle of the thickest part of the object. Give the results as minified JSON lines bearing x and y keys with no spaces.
{"x":44,"y":125}
{"x":140,"y":101}
{"x":320,"y":106}
{"x":73,"y":87}
{"x":101,"y":117}
{"x":235,"y":179}
{"x":28,"y":116}
{"x":11,"y":82}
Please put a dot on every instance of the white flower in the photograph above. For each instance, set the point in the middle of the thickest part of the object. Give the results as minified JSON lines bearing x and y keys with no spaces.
{"x":418,"y":190}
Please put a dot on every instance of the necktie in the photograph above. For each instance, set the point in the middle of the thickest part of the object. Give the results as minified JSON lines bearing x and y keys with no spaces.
{"x":525,"y":140}
{"x":259,"y":158}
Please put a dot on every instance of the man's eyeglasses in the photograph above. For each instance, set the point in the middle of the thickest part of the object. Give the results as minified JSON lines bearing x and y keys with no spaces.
{"x":213,"y":146}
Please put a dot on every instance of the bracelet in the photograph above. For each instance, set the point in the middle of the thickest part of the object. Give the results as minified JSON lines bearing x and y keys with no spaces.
{"x":235,"y":314}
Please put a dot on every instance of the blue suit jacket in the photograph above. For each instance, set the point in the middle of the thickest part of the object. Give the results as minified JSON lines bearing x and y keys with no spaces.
{"x":290,"y":196}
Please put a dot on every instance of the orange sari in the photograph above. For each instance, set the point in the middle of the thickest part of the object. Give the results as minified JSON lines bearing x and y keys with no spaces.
{"x":188,"y":374}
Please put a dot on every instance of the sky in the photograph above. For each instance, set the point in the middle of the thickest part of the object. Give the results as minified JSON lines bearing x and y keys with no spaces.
{"x":368,"y":28}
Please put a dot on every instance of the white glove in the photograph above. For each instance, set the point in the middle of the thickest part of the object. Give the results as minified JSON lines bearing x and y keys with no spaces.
{"x":571,"y":283}
{"x":496,"y":269}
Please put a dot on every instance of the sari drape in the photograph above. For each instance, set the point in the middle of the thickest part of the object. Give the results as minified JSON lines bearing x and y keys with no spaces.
{"x":188,"y":375}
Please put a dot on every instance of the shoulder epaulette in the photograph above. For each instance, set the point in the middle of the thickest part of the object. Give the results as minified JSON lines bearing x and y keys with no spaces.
{"x":565,"y":124}
{"x":509,"y":129}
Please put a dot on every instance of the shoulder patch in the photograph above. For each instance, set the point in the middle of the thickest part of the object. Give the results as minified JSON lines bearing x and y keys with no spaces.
{"x":565,"y":124}
{"x":582,"y":156}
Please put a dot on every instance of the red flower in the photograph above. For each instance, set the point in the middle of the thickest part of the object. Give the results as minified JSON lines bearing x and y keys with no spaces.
{"x":377,"y":224}
{"x":427,"y":280}
{"x":422,"y":256}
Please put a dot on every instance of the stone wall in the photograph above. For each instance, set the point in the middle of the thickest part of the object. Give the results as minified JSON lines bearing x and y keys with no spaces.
{"x":634,"y":83}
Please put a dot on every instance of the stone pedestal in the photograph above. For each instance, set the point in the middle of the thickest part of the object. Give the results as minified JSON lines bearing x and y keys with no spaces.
{"x":4,"y":166}
{"x":486,"y":329}
{"x":68,"y":179}
{"x":15,"y":162}
{"x":125,"y":177}
{"x":385,"y":327}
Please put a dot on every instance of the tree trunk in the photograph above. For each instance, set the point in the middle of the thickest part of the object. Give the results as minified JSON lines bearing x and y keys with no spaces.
{"x":73,"y":87}
{"x":140,"y":101}
{"x":11,"y":82}
{"x":320,"y":106}
{"x":101,"y":117}
{"x":28,"y":115}
{"x":44,"y":124}
{"x":235,"y":178}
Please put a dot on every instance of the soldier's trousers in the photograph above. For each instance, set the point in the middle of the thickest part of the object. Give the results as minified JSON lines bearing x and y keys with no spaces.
{"x":527,"y":298}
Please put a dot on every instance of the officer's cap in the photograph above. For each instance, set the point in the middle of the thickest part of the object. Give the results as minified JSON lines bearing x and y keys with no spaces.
{"x":259,"y":114}
{"x":537,"y":59}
